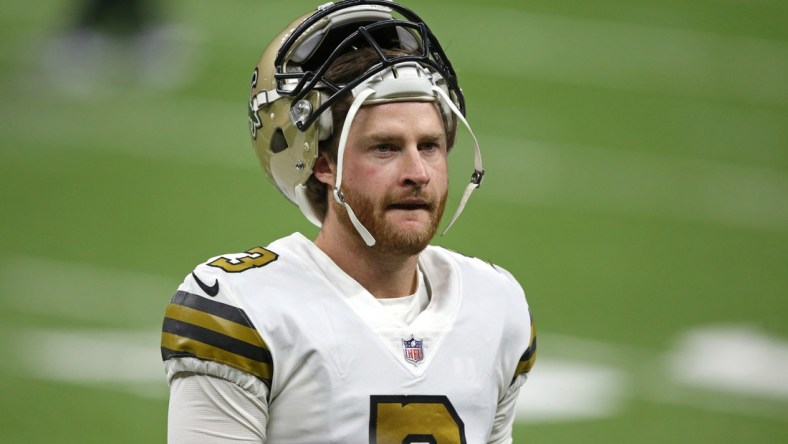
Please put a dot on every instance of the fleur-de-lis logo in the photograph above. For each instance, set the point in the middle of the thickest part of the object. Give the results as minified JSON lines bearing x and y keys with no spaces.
{"x":254,"y":118}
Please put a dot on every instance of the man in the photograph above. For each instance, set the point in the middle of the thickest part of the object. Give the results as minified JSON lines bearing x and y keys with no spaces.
{"x":367,"y":334}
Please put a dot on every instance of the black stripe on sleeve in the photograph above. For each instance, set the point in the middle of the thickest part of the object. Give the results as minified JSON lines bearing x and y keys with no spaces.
{"x":219,"y":309}
{"x":217,"y":340}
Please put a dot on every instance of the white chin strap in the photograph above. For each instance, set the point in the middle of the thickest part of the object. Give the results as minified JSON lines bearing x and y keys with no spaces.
{"x":338,"y":196}
{"x":478,"y":170}
{"x":394,"y":84}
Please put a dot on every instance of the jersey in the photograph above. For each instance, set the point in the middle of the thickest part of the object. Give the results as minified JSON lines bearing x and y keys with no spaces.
{"x":287,"y":324}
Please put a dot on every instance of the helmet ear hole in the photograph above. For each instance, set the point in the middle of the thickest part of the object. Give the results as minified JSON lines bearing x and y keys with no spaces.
{"x":278,"y":141}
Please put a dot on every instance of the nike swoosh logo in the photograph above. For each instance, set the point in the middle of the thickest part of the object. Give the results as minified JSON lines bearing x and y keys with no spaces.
{"x":211,"y":291}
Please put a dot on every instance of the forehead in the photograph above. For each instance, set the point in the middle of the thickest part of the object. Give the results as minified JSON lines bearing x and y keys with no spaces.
{"x":404,"y":117}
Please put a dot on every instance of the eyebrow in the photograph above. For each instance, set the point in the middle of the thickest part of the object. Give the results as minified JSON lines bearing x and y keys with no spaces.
{"x":385,"y":137}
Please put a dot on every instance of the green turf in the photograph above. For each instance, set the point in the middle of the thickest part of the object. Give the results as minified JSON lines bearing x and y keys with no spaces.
{"x":637,"y":157}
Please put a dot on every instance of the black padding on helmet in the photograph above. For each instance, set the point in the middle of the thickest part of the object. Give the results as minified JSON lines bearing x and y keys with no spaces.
{"x":409,"y":32}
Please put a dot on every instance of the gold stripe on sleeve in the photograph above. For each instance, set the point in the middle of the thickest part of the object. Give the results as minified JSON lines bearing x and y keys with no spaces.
{"x":215,"y":323}
{"x":204,"y":351}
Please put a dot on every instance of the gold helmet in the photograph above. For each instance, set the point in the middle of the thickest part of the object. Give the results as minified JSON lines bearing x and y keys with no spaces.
{"x":290,"y":100}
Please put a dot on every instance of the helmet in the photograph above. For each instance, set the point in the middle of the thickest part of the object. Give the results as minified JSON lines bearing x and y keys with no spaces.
{"x":290,"y":99}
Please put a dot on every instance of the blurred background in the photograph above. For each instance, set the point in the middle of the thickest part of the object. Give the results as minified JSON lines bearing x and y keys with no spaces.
{"x":637,"y":158}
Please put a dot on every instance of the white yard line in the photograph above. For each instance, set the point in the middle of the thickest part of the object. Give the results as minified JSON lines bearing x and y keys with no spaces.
{"x":92,"y":356}
{"x":739,"y":359}
{"x":612,"y":54}
{"x":83,"y":292}
{"x":120,"y":360}
{"x":771,"y":3}
{"x":607,"y":53}
{"x":546,"y":173}
{"x":638,"y":183}
{"x":621,"y":55}
{"x":569,"y":390}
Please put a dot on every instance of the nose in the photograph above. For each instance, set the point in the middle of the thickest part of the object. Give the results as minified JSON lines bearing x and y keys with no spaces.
{"x":414,"y":170}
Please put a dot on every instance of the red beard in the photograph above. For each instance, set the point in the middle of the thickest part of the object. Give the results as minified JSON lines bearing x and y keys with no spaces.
{"x":390,"y":239}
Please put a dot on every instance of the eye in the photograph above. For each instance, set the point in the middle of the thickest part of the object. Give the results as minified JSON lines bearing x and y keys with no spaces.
{"x":430,"y":147}
{"x":384,"y":148}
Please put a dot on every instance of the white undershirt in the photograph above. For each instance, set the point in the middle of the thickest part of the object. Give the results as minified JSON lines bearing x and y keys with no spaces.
{"x":407,"y":308}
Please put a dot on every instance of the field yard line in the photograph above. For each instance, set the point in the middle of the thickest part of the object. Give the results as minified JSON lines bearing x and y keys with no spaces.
{"x":83,"y":292}
{"x":598,"y":52}
{"x":759,"y":366}
{"x":620,"y":55}
{"x":586,"y":177}
{"x":638,"y":183}
{"x":93,"y":356}
{"x":730,"y":368}
{"x":120,"y":360}
{"x":225,"y":144}
{"x":608,"y":53}
{"x":771,"y":3}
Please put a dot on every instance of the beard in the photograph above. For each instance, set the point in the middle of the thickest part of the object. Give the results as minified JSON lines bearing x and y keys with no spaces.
{"x":390,"y":239}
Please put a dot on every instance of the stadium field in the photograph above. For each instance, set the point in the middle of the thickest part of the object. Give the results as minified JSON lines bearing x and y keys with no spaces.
{"x":637,"y":185}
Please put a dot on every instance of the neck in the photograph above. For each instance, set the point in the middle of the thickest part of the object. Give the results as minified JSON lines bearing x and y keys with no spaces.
{"x":384,"y":275}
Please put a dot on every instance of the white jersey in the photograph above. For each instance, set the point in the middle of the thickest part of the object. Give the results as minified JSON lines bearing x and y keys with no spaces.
{"x":287,"y":324}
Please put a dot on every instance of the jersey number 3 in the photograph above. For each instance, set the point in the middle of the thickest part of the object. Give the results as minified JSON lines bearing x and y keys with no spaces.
{"x":255,"y":258}
{"x":414,"y":419}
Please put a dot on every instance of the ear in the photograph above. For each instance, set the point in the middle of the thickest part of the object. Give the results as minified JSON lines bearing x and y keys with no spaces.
{"x":324,"y":170}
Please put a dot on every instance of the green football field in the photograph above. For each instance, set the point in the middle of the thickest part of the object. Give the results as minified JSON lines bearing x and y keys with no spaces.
{"x":637,"y":186}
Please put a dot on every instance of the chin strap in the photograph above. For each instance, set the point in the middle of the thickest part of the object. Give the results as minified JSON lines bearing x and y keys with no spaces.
{"x":338,"y":195}
{"x":478,"y":172}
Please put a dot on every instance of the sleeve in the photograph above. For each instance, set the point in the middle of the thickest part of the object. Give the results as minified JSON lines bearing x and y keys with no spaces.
{"x":209,"y":330}
{"x":528,"y":358}
{"x":217,"y":364}
{"x":504,"y":415}
{"x":208,"y":409}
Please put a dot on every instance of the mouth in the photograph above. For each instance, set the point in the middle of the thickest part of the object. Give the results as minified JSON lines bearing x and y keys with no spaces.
{"x":411,"y":205}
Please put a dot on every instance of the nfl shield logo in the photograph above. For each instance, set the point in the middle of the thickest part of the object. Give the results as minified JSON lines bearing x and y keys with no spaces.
{"x":414,"y":352}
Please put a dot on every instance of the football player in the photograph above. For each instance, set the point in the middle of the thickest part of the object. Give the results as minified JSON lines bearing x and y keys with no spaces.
{"x":366,"y":333}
